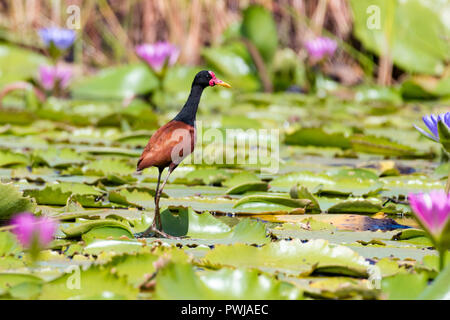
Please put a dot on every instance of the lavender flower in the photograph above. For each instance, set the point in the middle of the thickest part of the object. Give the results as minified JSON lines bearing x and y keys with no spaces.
{"x":33,"y":232}
{"x":51,"y":76}
{"x":156,"y":55}
{"x":320,"y":47}
{"x":432,"y":123}
{"x":61,"y":38}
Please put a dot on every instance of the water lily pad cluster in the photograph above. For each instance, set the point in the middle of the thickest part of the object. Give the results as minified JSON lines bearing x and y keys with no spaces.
{"x":331,"y":222}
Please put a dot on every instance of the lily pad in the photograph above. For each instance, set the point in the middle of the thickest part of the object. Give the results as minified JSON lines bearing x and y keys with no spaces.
{"x":12,"y":201}
{"x":179,"y":281}
{"x":95,"y":283}
{"x":291,"y":257}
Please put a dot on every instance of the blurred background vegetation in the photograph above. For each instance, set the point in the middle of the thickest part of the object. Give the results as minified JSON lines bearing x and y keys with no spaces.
{"x":256,"y":45}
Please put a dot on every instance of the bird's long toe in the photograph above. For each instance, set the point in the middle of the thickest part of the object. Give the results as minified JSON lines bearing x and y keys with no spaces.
{"x":155,"y":233}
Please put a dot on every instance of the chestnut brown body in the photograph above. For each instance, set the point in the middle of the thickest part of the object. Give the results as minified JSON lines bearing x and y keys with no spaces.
{"x":168,"y":146}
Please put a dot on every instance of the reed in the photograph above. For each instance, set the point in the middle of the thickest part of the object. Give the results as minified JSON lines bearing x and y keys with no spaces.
{"x":112,"y":28}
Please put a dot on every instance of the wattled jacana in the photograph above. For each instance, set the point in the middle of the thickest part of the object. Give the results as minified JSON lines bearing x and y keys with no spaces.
{"x":174,"y":141}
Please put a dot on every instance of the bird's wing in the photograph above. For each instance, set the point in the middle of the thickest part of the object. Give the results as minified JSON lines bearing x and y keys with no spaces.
{"x":169,"y":144}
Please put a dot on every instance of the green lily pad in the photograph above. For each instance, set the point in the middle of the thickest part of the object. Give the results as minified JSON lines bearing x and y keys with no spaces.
{"x":185,"y":222}
{"x":78,"y":229}
{"x":20,"y":286}
{"x":248,"y":186}
{"x":106,"y":233}
{"x":94,"y":283}
{"x":179,"y":281}
{"x":113,"y":246}
{"x":317,"y":137}
{"x":326,"y":184}
{"x":404,"y":286}
{"x":8,"y":158}
{"x":207,"y":176}
{"x":59,"y":193}
{"x":12,"y":201}
{"x":283,"y":201}
{"x":8,"y":244}
{"x":291,"y":257}
{"x":439,"y":289}
{"x":58,"y":158}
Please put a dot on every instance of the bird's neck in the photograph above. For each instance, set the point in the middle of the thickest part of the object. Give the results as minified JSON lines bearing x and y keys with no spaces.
{"x":189,"y":111}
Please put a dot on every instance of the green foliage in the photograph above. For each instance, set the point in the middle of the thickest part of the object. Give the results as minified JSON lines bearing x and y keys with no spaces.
{"x":179,"y":281}
{"x":439,"y":289}
{"x":12,"y":201}
{"x":117,"y":83}
{"x":94,"y":284}
{"x":17,"y":64}
{"x":259,"y":27}
{"x":292,"y":257}
{"x":415,"y":46}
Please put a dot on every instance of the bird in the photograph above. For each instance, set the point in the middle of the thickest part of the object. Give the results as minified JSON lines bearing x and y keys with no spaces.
{"x":173,"y":142}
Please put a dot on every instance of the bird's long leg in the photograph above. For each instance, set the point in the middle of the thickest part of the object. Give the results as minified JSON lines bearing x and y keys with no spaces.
{"x":157,"y":198}
{"x":157,"y":219}
{"x":156,"y":226}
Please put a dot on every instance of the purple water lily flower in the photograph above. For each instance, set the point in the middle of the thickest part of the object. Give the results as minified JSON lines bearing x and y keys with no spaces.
{"x":431,"y":122}
{"x":60,"y":37}
{"x":31,"y":230}
{"x":320,"y":47}
{"x":155,"y":55}
{"x":432,"y":210}
{"x":50,"y":76}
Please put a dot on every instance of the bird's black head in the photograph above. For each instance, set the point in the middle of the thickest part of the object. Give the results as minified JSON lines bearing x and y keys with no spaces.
{"x":207,"y":78}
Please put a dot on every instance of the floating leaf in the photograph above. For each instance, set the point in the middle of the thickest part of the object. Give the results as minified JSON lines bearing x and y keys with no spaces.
{"x":8,"y":244}
{"x":439,"y":289}
{"x":380,"y":145}
{"x":248,"y":186}
{"x":207,"y":176}
{"x":404,"y":286}
{"x":180,"y":282}
{"x":284,"y":201}
{"x":94,"y":283}
{"x":327,"y":184}
{"x":12,"y":201}
{"x":291,"y":257}
{"x":317,"y":137}
{"x":8,"y":158}
{"x":20,"y":286}
{"x":81,"y":228}
{"x":59,"y":193}
{"x":185,"y":222}
{"x":113,"y":246}
{"x":106,"y":233}
{"x":58,"y":158}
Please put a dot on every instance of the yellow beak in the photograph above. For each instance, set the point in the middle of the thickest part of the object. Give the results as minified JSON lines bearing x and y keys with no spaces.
{"x":223,"y":84}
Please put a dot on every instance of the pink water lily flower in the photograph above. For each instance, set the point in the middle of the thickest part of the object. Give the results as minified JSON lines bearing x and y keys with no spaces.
{"x":320,"y":47}
{"x":33,"y":231}
{"x":50,"y":76}
{"x":432,"y":210}
{"x":156,"y":55}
